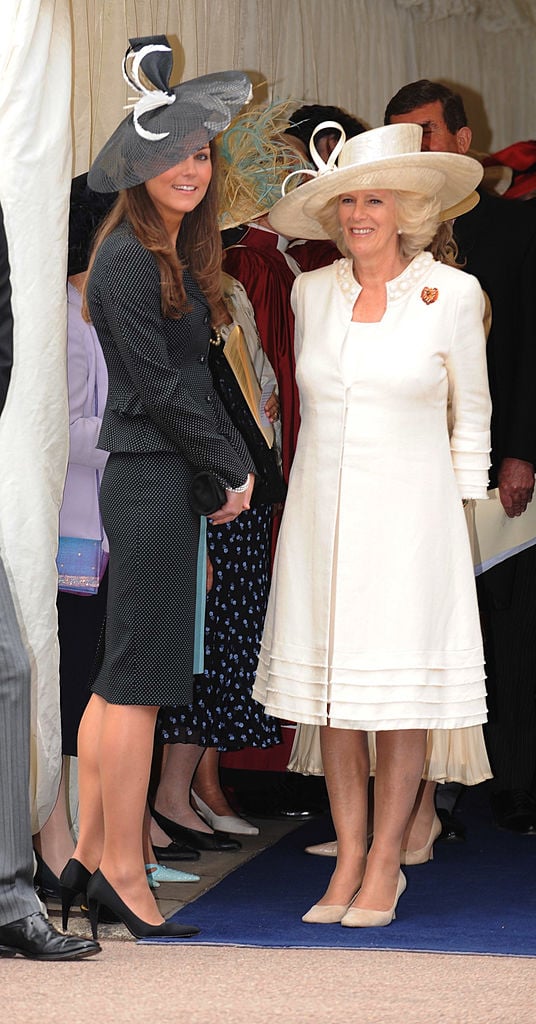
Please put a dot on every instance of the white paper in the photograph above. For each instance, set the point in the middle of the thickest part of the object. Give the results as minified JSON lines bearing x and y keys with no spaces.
{"x":493,"y":535}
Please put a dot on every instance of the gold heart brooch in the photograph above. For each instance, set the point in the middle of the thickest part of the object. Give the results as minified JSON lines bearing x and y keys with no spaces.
{"x":429,"y":295}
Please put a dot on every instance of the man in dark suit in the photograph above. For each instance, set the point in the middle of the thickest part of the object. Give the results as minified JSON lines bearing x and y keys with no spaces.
{"x":497,"y":242}
{"x":23,"y":928}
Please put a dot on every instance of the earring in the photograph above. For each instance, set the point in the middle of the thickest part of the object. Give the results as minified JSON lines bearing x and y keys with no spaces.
{"x":399,"y":231}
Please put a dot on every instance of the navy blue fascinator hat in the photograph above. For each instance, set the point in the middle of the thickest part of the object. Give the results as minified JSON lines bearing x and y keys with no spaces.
{"x":86,"y":210}
{"x":167,"y":124}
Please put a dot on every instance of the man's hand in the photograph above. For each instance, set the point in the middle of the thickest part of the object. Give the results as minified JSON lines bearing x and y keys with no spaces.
{"x":272,"y":407}
{"x":516,"y":485}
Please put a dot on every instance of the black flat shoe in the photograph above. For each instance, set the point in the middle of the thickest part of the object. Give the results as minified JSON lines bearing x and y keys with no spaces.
{"x":100,"y":893}
{"x":176,"y":851}
{"x":192,"y":837}
{"x":35,"y":938}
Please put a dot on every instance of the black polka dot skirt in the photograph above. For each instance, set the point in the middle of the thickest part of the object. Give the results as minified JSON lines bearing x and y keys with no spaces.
{"x":146,"y":651}
{"x":223,"y":713}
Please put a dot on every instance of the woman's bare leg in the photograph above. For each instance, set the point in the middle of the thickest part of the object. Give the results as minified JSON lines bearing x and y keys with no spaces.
{"x":172,"y":798}
{"x":346,"y":768}
{"x":126,"y":749}
{"x":55,"y":840}
{"x":207,"y":783}
{"x":91,"y":822}
{"x":148,"y":852}
{"x":399,"y":766}
{"x":419,"y":827}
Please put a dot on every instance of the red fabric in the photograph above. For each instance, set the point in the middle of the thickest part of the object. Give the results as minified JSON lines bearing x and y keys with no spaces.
{"x":265,"y":274}
{"x":273,"y":759}
{"x":521,"y":157}
{"x":312,"y":254}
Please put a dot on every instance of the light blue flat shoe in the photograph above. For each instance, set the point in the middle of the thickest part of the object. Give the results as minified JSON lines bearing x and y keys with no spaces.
{"x":157,"y":873}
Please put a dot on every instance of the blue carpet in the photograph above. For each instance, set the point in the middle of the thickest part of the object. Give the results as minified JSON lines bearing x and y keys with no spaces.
{"x":474,"y":897}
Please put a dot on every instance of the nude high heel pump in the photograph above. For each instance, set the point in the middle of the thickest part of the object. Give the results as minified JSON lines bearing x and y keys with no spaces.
{"x":327,"y":913}
{"x":426,"y":852}
{"x":319,"y":914}
{"x":355,"y":917}
{"x":323,"y":849}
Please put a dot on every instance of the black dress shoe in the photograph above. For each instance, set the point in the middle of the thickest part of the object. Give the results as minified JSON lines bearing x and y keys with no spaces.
{"x":35,"y":938}
{"x":300,"y":813}
{"x":452,"y":830}
{"x":176,"y":851}
{"x":514,"y":811}
{"x":193,"y":837}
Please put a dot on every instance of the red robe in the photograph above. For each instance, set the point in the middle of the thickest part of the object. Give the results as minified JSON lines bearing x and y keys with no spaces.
{"x":313,"y":254}
{"x":265,"y":274}
{"x":268,"y":279}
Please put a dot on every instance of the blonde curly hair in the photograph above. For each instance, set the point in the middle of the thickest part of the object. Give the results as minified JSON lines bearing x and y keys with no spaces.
{"x":418,"y":219}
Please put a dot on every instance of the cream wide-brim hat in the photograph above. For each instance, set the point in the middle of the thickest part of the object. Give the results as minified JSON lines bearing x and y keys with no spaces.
{"x":382,"y":158}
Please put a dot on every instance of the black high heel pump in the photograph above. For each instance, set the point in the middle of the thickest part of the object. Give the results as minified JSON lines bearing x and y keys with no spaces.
{"x":193,"y":837}
{"x":73,"y":884}
{"x":100,"y":893}
{"x":73,"y":881}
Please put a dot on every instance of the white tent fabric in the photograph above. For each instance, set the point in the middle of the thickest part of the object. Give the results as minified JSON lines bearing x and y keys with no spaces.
{"x":35,"y":172}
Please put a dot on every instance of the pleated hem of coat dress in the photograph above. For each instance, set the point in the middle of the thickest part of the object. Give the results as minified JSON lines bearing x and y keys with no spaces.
{"x":452,"y":755}
{"x":373,"y":699}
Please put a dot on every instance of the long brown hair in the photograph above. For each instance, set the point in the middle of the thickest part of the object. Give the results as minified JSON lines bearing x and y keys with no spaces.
{"x":198,"y":245}
{"x":443,"y":245}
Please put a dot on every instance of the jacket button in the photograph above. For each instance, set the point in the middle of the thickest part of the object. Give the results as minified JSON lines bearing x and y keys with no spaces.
{"x":205,"y":319}
{"x":209,"y":399}
{"x":202,"y":359}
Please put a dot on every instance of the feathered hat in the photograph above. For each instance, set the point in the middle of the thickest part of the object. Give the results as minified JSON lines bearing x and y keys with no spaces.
{"x":255,"y":158}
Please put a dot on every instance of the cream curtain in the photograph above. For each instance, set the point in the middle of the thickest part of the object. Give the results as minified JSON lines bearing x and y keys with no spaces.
{"x":490,"y":15}
{"x":353,"y":53}
{"x":35,"y":169}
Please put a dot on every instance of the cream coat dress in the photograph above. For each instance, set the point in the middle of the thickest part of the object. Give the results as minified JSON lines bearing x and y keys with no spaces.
{"x":372,"y":620}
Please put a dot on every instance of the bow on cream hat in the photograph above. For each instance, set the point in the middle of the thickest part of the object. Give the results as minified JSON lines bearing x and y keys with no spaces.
{"x":382,"y":158}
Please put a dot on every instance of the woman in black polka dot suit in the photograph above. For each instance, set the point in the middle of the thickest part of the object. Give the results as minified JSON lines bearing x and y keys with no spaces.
{"x":153,"y":290}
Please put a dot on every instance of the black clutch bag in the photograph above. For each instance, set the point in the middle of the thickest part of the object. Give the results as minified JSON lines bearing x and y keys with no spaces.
{"x":206,"y":494}
{"x":270,"y":487}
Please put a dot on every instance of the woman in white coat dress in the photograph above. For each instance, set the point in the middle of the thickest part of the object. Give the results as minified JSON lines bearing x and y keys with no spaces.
{"x":372,"y":622}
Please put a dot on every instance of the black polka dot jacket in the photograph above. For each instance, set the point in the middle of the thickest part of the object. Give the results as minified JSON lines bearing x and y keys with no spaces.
{"x":160,"y":391}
